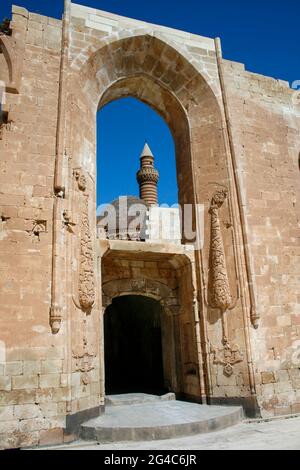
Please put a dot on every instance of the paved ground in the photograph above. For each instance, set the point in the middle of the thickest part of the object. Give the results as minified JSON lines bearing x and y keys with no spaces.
{"x":281,"y":434}
{"x":136,"y":417}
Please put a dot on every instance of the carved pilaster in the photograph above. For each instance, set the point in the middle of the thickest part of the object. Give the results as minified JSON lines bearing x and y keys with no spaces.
{"x":56,"y":309}
{"x":86,"y":286}
{"x":219,"y":295}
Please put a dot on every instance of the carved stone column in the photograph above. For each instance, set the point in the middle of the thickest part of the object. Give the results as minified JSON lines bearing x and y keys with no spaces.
{"x":219,"y":294}
{"x":84,"y":294}
{"x":86,"y":286}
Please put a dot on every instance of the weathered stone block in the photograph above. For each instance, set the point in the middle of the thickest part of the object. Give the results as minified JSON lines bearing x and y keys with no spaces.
{"x":25,"y":382}
{"x":6,"y":413}
{"x":27,"y":411}
{"x":49,"y":381}
{"x":51,"y":367}
{"x":14,"y":368}
{"x":51,"y":436}
{"x":31,"y":367}
{"x":5,"y":383}
{"x":268,"y":377}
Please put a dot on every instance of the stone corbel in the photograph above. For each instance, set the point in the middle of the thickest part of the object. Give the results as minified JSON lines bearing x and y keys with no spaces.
{"x":55,"y":318}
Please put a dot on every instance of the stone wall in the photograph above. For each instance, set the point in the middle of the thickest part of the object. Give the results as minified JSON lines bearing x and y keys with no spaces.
{"x":237,"y":146}
{"x":267,"y":145}
{"x":33,"y":374}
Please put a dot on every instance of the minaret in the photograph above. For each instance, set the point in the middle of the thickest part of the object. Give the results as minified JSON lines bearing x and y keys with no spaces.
{"x":147,"y":177}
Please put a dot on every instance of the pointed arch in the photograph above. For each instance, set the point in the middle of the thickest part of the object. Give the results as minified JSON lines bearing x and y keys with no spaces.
{"x":9,"y":64}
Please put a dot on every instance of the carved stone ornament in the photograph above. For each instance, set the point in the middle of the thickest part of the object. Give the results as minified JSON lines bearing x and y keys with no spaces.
{"x":55,"y":319}
{"x":227,"y":356}
{"x":81,"y":180}
{"x":84,"y":364}
{"x":84,"y":358}
{"x":86,"y":287}
{"x":219,"y":295}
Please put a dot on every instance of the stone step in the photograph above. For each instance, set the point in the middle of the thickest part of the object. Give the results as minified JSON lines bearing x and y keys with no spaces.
{"x":136,"y":398}
{"x":158,"y":420}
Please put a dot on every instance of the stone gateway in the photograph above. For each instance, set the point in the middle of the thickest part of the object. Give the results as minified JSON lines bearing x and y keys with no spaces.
{"x":223,"y":320}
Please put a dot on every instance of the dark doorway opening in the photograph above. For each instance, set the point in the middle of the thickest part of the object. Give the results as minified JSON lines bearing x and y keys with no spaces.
{"x":133,"y":346}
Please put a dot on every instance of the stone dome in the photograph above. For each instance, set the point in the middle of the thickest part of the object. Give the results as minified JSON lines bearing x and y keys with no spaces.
{"x":124,"y":218}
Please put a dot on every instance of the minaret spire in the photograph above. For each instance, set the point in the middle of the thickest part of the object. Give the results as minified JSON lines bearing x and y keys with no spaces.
{"x":147,"y":177}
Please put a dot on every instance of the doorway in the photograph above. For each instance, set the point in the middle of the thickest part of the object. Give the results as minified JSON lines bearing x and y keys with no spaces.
{"x":133,"y":346}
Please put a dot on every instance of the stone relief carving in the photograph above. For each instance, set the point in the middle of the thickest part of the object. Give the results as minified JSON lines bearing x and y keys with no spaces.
{"x":84,"y":357}
{"x":55,"y":318}
{"x":84,"y":281}
{"x":219,"y":295}
{"x":67,"y":221}
{"x":167,"y":297}
{"x":227,"y":356}
{"x":86,"y":287}
{"x":39,"y":226}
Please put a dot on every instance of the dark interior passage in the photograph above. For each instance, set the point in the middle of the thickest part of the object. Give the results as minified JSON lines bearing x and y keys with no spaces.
{"x":133,"y":346}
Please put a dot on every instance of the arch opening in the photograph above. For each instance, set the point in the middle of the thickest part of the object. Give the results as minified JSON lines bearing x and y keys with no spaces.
{"x":133,"y":346}
{"x":123,"y":127}
{"x":162,"y":76}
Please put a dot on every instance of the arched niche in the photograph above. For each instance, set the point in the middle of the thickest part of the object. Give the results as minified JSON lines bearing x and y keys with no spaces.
{"x":9,"y":64}
{"x":149,"y":69}
{"x":168,"y":300}
{"x":156,"y":73}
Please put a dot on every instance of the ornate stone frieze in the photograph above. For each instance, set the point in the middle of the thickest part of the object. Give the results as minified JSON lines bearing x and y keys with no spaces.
{"x":86,"y":283}
{"x":219,"y":295}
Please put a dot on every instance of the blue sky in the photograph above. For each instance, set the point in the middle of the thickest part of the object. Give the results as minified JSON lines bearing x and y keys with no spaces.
{"x":262,"y":34}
